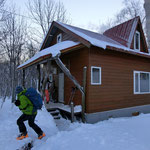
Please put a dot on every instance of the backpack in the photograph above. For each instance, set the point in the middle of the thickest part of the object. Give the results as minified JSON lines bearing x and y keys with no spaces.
{"x":34,"y":97}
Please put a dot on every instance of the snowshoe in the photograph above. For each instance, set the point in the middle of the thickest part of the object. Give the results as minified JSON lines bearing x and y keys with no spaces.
{"x":22,"y":136}
{"x":41,"y":136}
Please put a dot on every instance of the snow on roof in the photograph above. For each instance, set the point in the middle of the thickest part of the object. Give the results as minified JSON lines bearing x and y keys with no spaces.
{"x":54,"y":50}
{"x":97,"y":39}
{"x":94,"y":38}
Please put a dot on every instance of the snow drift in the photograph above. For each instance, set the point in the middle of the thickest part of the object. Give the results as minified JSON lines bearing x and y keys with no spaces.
{"x":131,"y":133}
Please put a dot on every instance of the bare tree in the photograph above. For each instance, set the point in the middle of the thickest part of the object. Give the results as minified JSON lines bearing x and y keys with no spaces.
{"x":2,"y":3}
{"x":108,"y":24}
{"x":12,"y":43}
{"x":147,"y":11}
{"x":15,"y":48}
{"x":43,"y":12}
{"x":4,"y":73}
{"x":132,"y":8}
{"x":2,"y":17}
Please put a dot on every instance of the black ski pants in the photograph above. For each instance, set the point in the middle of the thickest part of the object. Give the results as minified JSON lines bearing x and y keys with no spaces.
{"x":30,"y":118}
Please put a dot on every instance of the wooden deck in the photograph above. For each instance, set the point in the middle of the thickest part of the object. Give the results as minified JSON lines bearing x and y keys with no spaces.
{"x":60,"y":106}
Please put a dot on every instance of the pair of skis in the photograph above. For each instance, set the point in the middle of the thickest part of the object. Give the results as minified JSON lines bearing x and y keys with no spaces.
{"x":27,"y":146}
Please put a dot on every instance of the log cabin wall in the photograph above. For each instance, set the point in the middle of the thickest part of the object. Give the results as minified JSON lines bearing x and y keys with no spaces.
{"x":65,"y":37}
{"x":116,"y":90}
{"x":75,"y":62}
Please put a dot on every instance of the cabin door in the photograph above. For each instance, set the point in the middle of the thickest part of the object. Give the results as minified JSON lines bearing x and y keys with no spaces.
{"x":61,"y":87}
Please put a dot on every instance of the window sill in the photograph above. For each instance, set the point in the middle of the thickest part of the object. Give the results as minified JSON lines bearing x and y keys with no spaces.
{"x":141,"y":93}
{"x":95,"y":83}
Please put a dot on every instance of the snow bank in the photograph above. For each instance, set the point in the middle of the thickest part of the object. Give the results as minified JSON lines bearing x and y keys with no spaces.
{"x":131,"y":133}
{"x":9,"y":129}
{"x":115,"y":134}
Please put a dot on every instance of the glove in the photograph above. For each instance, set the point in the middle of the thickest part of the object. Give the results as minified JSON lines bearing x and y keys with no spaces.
{"x":17,"y":102}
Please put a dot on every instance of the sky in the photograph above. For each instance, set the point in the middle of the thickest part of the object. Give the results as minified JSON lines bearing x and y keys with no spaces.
{"x":83,"y":13}
{"x":88,"y":12}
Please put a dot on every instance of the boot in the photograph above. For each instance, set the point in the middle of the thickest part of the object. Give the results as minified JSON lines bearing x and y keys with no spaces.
{"x":40,"y":136}
{"x":22,"y":136}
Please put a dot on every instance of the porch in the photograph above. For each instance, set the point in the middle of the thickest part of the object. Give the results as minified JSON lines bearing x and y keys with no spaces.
{"x":51,"y":71}
{"x":58,"y":110}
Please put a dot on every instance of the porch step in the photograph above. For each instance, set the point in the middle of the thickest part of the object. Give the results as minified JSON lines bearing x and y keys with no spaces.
{"x":57,"y":117}
{"x":54,"y":112}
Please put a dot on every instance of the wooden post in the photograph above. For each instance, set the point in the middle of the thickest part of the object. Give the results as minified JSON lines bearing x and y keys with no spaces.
{"x":72,"y":112}
{"x":83,"y":94}
{"x":23,"y":80}
{"x":39,"y":78}
{"x":67,"y":72}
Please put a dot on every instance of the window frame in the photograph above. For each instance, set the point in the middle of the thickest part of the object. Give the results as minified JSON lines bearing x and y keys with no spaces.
{"x":137,"y":32}
{"x":94,"y":67}
{"x":134,"y":87}
{"x":59,"y":35}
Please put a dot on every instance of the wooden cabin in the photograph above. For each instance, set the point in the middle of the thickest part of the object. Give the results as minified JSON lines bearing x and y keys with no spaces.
{"x":118,"y":68}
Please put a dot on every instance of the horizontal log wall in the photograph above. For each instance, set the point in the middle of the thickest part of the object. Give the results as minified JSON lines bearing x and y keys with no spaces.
{"x":75,"y":62}
{"x":116,"y":90}
{"x":65,"y":37}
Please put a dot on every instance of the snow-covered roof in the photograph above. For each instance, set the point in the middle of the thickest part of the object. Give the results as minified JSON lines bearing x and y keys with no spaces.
{"x":99,"y":40}
{"x":90,"y":38}
{"x":53,"y":50}
{"x":95,"y":39}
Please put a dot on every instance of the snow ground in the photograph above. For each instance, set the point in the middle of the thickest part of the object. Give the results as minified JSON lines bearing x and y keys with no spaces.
{"x":131,"y":133}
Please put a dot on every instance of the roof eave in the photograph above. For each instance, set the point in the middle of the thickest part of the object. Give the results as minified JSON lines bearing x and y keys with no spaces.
{"x":49,"y":56}
{"x":36,"y":61}
{"x":128,"y":52}
{"x":46,"y":37}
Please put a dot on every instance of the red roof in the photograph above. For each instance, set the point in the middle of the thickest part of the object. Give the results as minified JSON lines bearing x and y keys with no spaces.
{"x":123,"y":33}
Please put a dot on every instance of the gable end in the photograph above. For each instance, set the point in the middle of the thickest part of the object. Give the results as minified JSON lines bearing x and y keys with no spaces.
{"x":56,"y":29}
{"x":138,"y":33}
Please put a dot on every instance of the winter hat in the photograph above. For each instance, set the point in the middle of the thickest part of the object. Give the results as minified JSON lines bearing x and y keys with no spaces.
{"x":19,"y":89}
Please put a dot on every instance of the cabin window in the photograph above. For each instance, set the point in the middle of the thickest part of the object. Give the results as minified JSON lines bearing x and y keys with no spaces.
{"x":137,"y":41}
{"x":141,"y":82}
{"x":95,"y":75}
{"x":59,"y":38}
